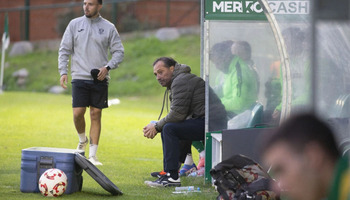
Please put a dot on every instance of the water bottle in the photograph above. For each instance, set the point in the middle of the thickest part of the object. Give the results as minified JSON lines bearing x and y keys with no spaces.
{"x":193,"y":174}
{"x":186,"y":188}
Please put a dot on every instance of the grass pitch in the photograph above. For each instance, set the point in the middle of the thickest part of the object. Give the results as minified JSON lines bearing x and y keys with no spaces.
{"x":45,"y":120}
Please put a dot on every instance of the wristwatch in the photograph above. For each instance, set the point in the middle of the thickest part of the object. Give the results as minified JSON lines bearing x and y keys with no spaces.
{"x":108,"y":68}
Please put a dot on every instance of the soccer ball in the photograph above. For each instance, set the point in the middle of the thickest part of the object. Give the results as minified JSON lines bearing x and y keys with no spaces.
{"x":53,"y":182}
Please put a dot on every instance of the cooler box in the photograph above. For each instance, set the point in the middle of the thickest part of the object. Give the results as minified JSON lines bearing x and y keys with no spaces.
{"x":36,"y":160}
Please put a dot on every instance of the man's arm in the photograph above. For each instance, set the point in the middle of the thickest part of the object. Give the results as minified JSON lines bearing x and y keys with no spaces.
{"x":116,"y":49}
{"x":180,"y":105}
{"x":65,"y":50}
{"x":64,"y":81}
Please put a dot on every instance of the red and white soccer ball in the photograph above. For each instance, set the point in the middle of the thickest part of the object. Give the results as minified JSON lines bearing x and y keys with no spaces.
{"x":53,"y":183}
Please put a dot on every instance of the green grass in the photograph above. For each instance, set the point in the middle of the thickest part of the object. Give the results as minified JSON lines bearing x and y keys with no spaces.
{"x":133,"y":77}
{"x":45,"y":120}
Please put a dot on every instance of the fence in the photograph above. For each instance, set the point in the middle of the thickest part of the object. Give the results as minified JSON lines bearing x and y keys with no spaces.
{"x":47,"y":19}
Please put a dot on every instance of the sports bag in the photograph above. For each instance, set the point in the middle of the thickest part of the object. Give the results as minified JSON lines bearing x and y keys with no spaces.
{"x":240,"y":178}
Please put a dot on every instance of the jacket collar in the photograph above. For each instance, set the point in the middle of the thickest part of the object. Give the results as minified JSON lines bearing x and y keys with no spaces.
{"x":179,"y":69}
{"x":93,"y":20}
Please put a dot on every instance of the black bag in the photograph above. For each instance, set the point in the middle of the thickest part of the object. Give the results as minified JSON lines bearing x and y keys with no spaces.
{"x":240,"y":178}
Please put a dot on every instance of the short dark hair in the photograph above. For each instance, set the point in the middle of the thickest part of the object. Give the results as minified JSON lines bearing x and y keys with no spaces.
{"x":242,"y":49}
{"x":299,"y":131}
{"x":222,"y":50}
{"x":100,"y":2}
{"x":166,"y":60}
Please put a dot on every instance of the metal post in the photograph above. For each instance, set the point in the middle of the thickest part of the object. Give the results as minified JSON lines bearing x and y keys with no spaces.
{"x":27,"y":19}
{"x":114,"y":13}
{"x":21,"y":25}
{"x":2,"y":68}
{"x":201,"y":18}
{"x":313,"y":57}
{"x":167,"y":12}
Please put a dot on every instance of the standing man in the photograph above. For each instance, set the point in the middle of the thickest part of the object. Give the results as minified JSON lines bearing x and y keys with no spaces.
{"x":87,"y":40}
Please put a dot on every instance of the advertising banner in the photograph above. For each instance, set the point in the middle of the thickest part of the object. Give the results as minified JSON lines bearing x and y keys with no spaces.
{"x":251,"y":9}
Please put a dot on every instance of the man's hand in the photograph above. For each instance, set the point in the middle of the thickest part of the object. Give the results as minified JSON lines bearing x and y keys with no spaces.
{"x":150,"y":131}
{"x":276,"y":114}
{"x":64,"y":81}
{"x":103,"y":73}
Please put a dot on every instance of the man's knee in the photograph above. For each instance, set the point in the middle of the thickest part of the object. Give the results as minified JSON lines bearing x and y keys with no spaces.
{"x":95,"y":113}
{"x":78,"y":113}
{"x":169,"y":128}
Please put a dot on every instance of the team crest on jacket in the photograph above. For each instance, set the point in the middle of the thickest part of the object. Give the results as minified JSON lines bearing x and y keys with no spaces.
{"x":101,"y":30}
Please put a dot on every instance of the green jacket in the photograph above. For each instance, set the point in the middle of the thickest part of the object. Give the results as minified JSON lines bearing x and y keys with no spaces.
{"x":301,"y":83}
{"x":187,"y":96}
{"x":340,"y":189}
{"x":239,"y":87}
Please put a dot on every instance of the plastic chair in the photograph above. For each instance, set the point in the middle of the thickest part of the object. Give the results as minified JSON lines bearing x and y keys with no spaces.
{"x":247,"y":119}
{"x":256,"y":115}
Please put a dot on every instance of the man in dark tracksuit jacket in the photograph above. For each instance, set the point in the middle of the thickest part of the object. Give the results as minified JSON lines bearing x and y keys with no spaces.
{"x":185,"y":120}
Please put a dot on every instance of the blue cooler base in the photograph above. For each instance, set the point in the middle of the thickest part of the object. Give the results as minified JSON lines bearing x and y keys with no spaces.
{"x":36,"y":160}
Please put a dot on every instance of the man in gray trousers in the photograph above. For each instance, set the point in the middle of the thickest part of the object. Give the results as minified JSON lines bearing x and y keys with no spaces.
{"x":87,"y":40}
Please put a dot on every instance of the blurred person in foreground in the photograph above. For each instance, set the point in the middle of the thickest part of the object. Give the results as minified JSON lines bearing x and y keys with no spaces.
{"x":306,"y":162}
{"x":87,"y":40}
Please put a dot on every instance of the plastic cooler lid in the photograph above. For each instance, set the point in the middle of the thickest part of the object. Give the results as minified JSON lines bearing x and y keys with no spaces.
{"x":97,"y":175}
{"x":53,"y":150}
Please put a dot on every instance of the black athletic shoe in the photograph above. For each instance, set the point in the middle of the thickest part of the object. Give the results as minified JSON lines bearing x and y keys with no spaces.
{"x":164,"y":181}
{"x":158,"y":174}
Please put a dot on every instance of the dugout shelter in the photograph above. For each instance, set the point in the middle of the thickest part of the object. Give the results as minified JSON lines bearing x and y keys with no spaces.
{"x":275,"y":58}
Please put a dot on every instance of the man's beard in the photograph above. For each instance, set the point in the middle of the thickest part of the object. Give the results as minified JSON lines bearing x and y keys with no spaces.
{"x":91,"y":15}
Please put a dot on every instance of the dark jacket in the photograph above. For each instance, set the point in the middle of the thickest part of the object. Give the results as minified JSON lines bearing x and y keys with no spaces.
{"x":187,"y":96}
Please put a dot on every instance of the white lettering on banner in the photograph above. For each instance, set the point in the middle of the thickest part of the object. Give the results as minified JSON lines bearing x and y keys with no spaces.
{"x":289,"y":7}
{"x":253,"y":7}
{"x":217,"y":7}
{"x":228,"y":6}
{"x":238,"y":6}
{"x":277,"y":7}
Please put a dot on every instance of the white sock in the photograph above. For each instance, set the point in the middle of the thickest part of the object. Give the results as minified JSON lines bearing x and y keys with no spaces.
{"x":92,"y":150}
{"x":82,"y":137}
{"x":189,"y":159}
{"x":202,"y":154}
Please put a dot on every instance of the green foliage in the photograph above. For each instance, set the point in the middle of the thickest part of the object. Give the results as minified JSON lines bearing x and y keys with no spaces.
{"x":42,"y":68}
{"x":135,"y":74}
{"x":133,"y":77}
{"x":45,"y":120}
